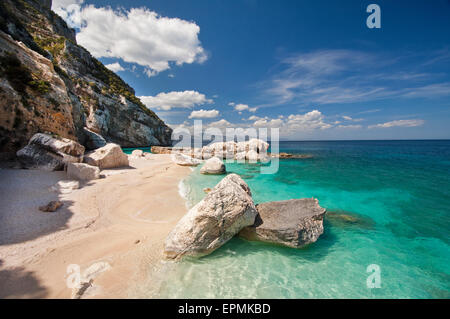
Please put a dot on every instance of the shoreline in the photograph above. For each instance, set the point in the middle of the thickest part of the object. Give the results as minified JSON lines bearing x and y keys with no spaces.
{"x":117,"y":223}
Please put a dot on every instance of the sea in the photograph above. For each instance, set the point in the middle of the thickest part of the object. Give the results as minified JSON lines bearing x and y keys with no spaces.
{"x":386,"y":231}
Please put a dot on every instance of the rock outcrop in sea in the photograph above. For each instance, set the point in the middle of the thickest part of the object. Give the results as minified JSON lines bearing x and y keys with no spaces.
{"x":224,"y":211}
{"x":213,"y":166}
{"x":48,"y":83}
{"x":228,"y":209}
{"x":293,"y":223}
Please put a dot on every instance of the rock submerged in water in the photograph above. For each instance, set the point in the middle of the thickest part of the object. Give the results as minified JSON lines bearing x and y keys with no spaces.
{"x":213,"y":166}
{"x":293,"y":223}
{"x":108,"y":156}
{"x":345,"y":219}
{"x":50,"y":153}
{"x":213,"y":221}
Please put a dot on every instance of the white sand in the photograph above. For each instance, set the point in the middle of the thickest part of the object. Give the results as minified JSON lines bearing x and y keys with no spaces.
{"x":121,"y":220}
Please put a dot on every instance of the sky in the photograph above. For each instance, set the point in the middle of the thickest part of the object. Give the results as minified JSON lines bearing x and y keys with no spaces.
{"x":313,"y":69}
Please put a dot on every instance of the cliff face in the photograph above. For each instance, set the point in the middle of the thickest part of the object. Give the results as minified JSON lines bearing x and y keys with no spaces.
{"x":48,"y":83}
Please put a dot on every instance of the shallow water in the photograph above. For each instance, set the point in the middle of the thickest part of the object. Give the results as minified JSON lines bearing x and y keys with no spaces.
{"x":390,"y":206}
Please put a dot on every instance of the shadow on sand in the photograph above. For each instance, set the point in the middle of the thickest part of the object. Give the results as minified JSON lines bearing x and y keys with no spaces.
{"x":18,"y":283}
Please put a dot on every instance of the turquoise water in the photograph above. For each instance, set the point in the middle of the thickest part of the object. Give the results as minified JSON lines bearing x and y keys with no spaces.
{"x":397,"y":193}
{"x":128,"y":150}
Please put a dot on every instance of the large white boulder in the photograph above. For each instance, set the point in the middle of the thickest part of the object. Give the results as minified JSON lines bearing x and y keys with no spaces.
{"x":252,"y":156}
{"x":108,"y":156}
{"x":50,"y":152}
{"x":224,"y":211}
{"x":213,"y":166}
{"x":82,"y":171}
{"x":137,"y":153}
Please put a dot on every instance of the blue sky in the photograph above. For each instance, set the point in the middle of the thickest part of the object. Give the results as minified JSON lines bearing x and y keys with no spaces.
{"x":312,"y":68}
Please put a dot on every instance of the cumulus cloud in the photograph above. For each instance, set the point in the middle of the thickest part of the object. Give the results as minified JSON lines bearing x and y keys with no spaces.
{"x":136,"y":36}
{"x":175,"y":99}
{"x":69,"y":10}
{"x":204,"y":114}
{"x":115,"y":67}
{"x":403,"y":123}
{"x":221,"y":124}
{"x":243,"y":107}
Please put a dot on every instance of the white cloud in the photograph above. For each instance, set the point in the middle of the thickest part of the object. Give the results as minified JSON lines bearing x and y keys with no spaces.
{"x":69,"y":10}
{"x":349,"y":126}
{"x":349,"y":118}
{"x":254,"y":118}
{"x":221,"y":124}
{"x":115,"y":67}
{"x":175,"y":99}
{"x":137,"y":36}
{"x":347,"y":76}
{"x":402,"y":123}
{"x":243,"y":107}
{"x":308,"y":121}
{"x":205,"y":114}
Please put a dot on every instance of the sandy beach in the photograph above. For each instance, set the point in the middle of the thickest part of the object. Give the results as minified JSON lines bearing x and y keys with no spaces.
{"x":117,"y":223}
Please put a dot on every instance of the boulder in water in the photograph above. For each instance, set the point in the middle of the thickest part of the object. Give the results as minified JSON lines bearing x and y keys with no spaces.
{"x":213,"y":166}
{"x":293,"y":223}
{"x":224,"y":211}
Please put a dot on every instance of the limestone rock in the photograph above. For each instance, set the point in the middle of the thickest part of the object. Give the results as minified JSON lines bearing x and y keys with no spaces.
{"x":161,"y":150}
{"x":82,"y":171}
{"x":93,"y":140}
{"x":49,"y":153}
{"x":57,"y":145}
{"x":213,"y":166}
{"x":213,"y":221}
{"x":137,"y":153}
{"x":252,"y":156}
{"x":55,"y":85}
{"x":51,"y":206}
{"x":184,"y":160}
{"x":293,"y":223}
{"x":108,"y":156}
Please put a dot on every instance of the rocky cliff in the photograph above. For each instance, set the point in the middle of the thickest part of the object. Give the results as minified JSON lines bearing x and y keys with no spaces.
{"x":48,"y":83}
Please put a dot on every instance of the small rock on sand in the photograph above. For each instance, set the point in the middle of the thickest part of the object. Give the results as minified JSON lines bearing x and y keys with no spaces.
{"x":51,"y":207}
